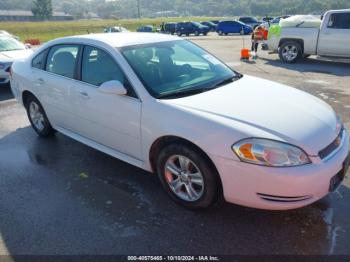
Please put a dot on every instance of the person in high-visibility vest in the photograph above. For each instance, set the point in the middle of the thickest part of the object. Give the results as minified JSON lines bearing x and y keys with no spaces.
{"x":260,"y":33}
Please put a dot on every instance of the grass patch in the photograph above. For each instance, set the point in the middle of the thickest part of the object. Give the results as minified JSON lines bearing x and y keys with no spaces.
{"x":49,"y":30}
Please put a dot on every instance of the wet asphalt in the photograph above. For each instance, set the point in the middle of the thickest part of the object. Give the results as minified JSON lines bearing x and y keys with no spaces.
{"x":58,"y":196}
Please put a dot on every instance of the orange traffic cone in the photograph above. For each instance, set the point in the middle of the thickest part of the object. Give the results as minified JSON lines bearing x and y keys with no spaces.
{"x":245,"y":54}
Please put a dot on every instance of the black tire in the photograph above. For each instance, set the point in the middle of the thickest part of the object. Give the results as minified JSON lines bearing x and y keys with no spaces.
{"x":210,"y":189}
{"x":47,"y":129}
{"x":187,"y":34}
{"x":290,"y":45}
{"x":196,"y":33}
{"x":178,"y":33}
{"x":220,"y":32}
{"x":205,"y":34}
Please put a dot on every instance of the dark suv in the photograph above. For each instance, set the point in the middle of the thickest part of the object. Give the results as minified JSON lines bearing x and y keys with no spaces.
{"x":188,"y":28}
{"x":168,"y":28}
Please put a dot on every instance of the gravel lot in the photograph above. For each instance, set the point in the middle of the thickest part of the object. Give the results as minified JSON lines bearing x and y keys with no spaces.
{"x":58,"y":196}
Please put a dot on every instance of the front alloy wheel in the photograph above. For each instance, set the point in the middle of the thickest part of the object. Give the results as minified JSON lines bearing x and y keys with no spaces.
{"x":184,"y":178}
{"x":187,"y":176}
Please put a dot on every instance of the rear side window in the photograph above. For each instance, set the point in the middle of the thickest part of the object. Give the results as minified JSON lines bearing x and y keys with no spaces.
{"x":339,"y":21}
{"x":39,"y":60}
{"x":62,"y":60}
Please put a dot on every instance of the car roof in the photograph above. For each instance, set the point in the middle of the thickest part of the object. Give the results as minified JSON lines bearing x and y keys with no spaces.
{"x":120,"y":39}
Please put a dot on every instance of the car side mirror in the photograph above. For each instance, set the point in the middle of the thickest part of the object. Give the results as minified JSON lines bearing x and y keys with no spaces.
{"x":113,"y":87}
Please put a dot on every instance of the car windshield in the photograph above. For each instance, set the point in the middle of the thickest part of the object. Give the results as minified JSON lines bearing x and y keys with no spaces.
{"x":177,"y":68}
{"x":10,"y":44}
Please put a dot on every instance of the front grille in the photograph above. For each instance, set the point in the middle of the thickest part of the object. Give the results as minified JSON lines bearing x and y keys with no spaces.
{"x":332,"y":146}
{"x":285,"y":199}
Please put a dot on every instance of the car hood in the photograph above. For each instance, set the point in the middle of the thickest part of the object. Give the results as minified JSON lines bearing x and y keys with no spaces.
{"x":259,"y":108}
{"x":10,"y":56}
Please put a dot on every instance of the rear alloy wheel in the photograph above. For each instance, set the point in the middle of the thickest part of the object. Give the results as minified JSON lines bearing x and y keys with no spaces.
{"x":290,"y":52}
{"x":37,"y":118}
{"x":187,"y":177}
{"x":196,"y":33}
{"x":220,"y":32}
{"x":179,"y":33}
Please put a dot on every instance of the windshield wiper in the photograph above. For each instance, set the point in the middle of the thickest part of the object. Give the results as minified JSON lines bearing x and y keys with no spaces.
{"x":182,"y":93}
{"x":227,"y":81}
{"x":200,"y":90}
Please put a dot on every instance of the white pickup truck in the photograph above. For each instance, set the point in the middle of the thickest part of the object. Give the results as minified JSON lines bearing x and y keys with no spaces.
{"x":331,"y":39}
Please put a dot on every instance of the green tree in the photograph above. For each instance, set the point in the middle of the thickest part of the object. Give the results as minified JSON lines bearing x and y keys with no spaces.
{"x":42,"y":9}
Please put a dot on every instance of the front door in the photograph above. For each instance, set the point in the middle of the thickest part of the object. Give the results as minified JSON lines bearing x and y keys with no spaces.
{"x":108,"y":119}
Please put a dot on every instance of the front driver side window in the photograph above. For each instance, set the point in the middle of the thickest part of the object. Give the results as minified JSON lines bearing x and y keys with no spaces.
{"x":62,"y":60}
{"x":99,"y":67}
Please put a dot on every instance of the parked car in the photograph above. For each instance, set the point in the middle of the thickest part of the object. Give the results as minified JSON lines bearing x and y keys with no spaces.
{"x":169,"y":107}
{"x":10,"y":50}
{"x":146,"y":29}
{"x":189,"y":28}
{"x":211,"y":25}
{"x":168,"y":28}
{"x":267,"y":19}
{"x":251,"y":21}
{"x":5,"y":33}
{"x":115,"y":29}
{"x":329,"y":38}
{"x":275,"y":21}
{"x":215,"y":21}
{"x":233,"y":27}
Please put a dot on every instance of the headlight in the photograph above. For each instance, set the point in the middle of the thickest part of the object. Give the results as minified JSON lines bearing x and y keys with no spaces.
{"x":270,"y":153}
{"x":3,"y":66}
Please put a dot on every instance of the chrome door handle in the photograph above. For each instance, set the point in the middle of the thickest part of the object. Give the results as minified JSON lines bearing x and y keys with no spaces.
{"x":84,"y":94}
{"x":41,"y":81}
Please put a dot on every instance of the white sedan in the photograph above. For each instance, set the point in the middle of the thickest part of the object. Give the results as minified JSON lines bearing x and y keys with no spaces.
{"x":10,"y":50}
{"x":167,"y":106}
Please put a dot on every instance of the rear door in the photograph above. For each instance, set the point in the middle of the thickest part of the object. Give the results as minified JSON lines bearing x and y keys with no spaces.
{"x":108,"y":119}
{"x":334,"y":39}
{"x":54,"y":79}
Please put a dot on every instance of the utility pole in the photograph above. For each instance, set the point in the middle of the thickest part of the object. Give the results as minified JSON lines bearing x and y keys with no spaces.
{"x":138,"y":9}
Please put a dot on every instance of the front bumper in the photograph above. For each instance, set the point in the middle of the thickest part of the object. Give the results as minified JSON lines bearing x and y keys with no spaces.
{"x":280,"y":188}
